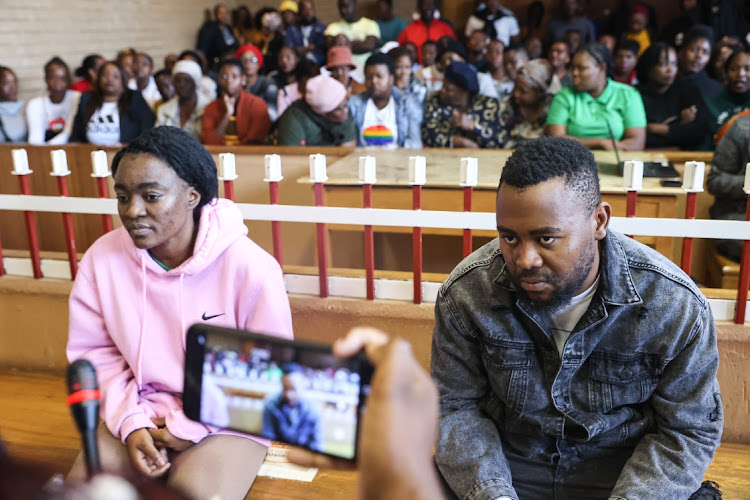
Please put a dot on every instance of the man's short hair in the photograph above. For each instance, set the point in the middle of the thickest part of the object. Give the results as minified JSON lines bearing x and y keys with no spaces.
{"x":232,"y":62}
{"x":379,"y":58}
{"x":696,"y":32}
{"x":629,"y":45}
{"x":548,"y":158}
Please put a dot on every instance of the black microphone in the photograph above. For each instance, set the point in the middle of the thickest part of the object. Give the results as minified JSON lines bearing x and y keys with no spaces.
{"x":83,"y":399}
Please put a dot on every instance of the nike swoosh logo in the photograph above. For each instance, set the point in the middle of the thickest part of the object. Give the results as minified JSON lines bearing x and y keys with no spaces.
{"x":206,"y":318}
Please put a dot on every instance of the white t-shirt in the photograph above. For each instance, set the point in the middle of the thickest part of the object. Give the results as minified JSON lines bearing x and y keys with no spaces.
{"x":566,"y":319}
{"x":150,"y":92}
{"x":43,"y":115}
{"x":103,"y":128}
{"x":379,"y":128}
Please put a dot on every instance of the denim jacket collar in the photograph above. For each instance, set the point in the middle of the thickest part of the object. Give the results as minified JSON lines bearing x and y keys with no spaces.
{"x":616,"y":285}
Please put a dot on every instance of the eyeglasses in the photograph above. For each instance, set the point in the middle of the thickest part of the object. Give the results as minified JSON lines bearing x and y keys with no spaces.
{"x":250,"y":59}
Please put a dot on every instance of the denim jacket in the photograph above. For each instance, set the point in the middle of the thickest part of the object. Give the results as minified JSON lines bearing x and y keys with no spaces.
{"x":408,"y":117}
{"x":637,"y":377}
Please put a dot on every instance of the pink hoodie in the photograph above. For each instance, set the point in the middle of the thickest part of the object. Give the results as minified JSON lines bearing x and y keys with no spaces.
{"x":128,"y":316}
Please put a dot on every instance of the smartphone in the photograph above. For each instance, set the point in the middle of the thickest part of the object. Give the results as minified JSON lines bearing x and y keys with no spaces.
{"x":291,"y":391}
{"x":671,"y":184}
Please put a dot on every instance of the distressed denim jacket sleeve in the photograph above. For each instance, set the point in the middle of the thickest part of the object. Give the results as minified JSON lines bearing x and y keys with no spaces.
{"x":469,"y":453}
{"x":689,"y":421}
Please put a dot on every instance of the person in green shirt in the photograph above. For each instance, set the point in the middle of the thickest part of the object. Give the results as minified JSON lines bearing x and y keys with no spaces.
{"x":596,"y":108}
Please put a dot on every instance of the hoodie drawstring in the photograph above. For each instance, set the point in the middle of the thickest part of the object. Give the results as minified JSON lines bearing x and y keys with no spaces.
{"x":138,"y":371}
{"x":182,"y":316}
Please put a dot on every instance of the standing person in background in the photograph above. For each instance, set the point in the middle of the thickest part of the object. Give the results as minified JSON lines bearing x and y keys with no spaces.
{"x":426,"y":27}
{"x":242,"y":24}
{"x":307,"y":36}
{"x":216,"y":38}
{"x":496,"y":21}
{"x":692,"y":59}
{"x":87,"y":73}
{"x":572,"y":19}
{"x":12,"y":121}
{"x":595,"y":109}
{"x":255,"y":83}
{"x":50,"y":117}
{"x":237,"y":117}
{"x":111,"y":114}
{"x":390,"y":25}
{"x":363,"y":33}
{"x":143,"y":81}
{"x":126,"y":60}
{"x":186,"y":109}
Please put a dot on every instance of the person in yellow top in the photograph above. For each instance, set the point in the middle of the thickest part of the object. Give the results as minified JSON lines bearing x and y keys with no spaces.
{"x":363,"y":33}
{"x":637,"y":29}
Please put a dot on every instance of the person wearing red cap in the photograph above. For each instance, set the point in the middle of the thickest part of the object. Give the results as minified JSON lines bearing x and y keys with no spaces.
{"x":252,"y":60}
{"x":638,"y":28}
{"x":320,"y":119}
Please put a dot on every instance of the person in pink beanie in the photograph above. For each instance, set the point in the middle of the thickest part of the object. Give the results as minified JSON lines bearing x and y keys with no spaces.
{"x":181,"y":257}
{"x":320,"y":119}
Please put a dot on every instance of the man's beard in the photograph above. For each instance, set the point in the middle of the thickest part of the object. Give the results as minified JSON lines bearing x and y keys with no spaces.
{"x":565,"y":287}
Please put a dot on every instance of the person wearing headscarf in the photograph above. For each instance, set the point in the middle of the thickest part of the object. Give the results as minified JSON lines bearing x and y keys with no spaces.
{"x":459,"y":116}
{"x":524,"y":112}
{"x":185,"y":109}
{"x":320,"y":119}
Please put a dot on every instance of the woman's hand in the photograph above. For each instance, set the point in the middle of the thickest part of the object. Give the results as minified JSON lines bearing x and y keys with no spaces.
{"x":687,"y":115}
{"x":460,"y":141}
{"x":145,"y":457}
{"x":462,"y":121}
{"x":165,"y":439}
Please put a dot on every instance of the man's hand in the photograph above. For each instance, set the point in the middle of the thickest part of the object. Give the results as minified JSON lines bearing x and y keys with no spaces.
{"x":462,"y":121}
{"x":165,"y":439}
{"x":145,"y":457}
{"x":687,"y":115}
{"x":229,"y":102}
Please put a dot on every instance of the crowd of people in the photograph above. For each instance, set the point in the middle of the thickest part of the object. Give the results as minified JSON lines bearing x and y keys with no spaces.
{"x":283,"y":77}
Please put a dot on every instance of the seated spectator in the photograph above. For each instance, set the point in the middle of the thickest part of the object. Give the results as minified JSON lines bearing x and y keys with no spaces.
{"x":341,"y":64}
{"x":126,"y":60}
{"x":363,"y":33}
{"x":459,"y":116}
{"x":321,"y":118}
{"x":716,"y":68}
{"x":111,"y":114}
{"x":476,"y":50}
{"x":307,"y":36}
{"x":496,"y":21}
{"x":390,"y":25}
{"x":533,"y":26}
{"x":514,"y":58}
{"x":534,"y":47}
{"x":607,"y":40}
{"x":732,"y":99}
{"x":288,"y":10}
{"x":273,"y":40}
{"x":675,"y":112}
{"x":429,"y":53}
{"x":559,"y":58}
{"x":573,"y":39}
{"x":50,"y":117}
{"x":525,"y":112}
{"x":453,"y":51}
{"x":596,"y":110}
{"x":185,"y":110}
{"x":236,"y":109}
{"x":626,"y":56}
{"x":208,"y":85}
{"x":12,"y":121}
{"x":143,"y":80}
{"x":286,"y":79}
{"x":242,"y":24}
{"x":674,"y":31}
{"x":496,"y":70}
{"x":427,"y":27}
{"x":726,"y":179}
{"x":384,"y":116}
{"x":638,"y":30}
{"x":169,"y":61}
{"x":87,"y":73}
{"x":255,"y":83}
{"x":726,"y":17}
{"x":216,"y":37}
{"x":404,"y":78}
{"x":572,"y":20}
{"x":692,"y":58}
{"x":163,"y":79}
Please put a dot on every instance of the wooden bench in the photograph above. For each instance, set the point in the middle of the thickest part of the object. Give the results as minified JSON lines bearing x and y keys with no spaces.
{"x":722,"y":271}
{"x":36,"y":426}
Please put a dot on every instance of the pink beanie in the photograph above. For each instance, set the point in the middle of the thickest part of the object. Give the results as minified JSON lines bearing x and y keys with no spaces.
{"x":324,"y":93}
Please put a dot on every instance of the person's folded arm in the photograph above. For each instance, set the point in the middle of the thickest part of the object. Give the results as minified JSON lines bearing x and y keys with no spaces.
{"x":469,"y":453}
{"x":633,"y":139}
{"x":727,"y":175}
{"x":556,"y":130}
{"x":688,"y":418}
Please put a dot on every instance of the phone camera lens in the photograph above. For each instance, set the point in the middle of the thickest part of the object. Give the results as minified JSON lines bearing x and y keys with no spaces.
{"x":201,"y":339}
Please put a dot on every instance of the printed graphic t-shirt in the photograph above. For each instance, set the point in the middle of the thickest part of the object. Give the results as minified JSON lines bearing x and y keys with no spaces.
{"x":104,"y":126}
{"x":379,"y":125}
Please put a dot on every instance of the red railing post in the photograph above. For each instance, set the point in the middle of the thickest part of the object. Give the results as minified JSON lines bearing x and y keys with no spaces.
{"x":60,"y":170}
{"x":22,"y":170}
{"x":417,"y":178}
{"x":227,"y":173}
{"x":469,"y":173}
{"x":100,"y":167}
{"x":692,"y":184}
{"x":273,"y":177}
{"x":367,"y":179}
{"x":744,"y":279}
{"x":633,"y":181}
{"x":318,"y":177}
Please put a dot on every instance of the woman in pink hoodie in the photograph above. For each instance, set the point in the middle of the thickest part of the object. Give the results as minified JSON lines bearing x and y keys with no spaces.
{"x":181,"y":257}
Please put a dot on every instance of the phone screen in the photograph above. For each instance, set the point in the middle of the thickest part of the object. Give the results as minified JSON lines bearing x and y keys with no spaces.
{"x":290,"y":391}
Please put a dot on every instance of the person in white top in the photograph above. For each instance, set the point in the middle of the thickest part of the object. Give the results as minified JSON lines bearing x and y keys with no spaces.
{"x":143,"y":80}
{"x":50,"y":117}
{"x":185,"y":109}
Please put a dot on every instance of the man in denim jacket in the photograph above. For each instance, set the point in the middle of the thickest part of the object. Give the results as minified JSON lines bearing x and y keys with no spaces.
{"x":572,"y":362}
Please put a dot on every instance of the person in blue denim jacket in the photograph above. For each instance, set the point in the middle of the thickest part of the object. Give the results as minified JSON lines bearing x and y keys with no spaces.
{"x":572,"y":362}
{"x":385,"y":116}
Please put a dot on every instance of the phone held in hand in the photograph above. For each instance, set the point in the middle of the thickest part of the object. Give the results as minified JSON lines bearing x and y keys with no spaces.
{"x":291,"y":391}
